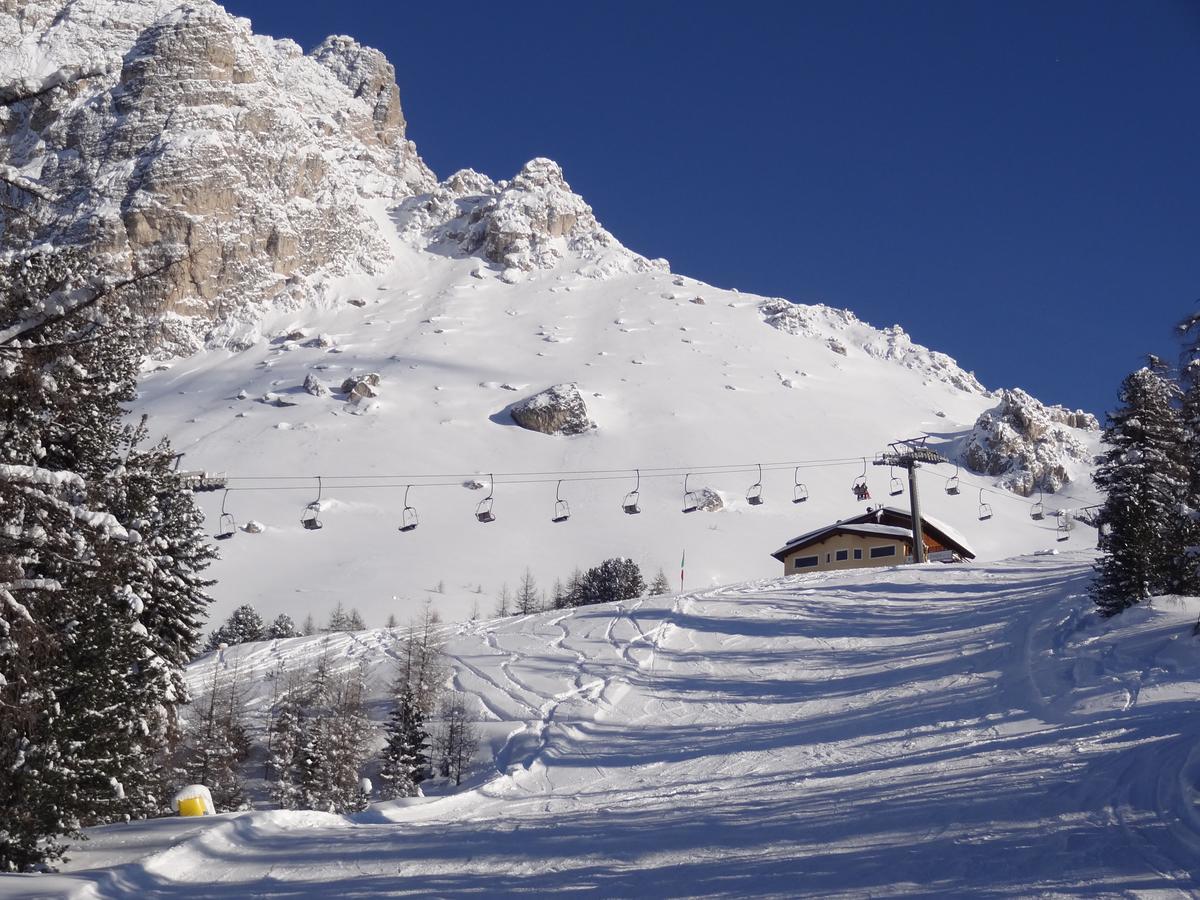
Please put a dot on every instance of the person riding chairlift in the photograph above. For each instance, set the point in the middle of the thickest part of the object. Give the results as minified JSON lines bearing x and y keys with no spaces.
{"x":862,"y":492}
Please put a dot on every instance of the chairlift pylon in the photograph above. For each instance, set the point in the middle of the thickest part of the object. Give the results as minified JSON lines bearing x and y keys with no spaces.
{"x":562,"y":511}
{"x":985,"y":509}
{"x":861,"y":491}
{"x":691,"y":501}
{"x":799,"y":489}
{"x":630,"y":503}
{"x":311,"y":517}
{"x":895,"y":486}
{"x":409,"y":520}
{"x":754,"y":496}
{"x":952,"y":483}
{"x":226,"y":525}
{"x":483,"y":512}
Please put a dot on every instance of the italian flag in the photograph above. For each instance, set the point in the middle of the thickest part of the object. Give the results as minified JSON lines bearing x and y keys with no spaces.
{"x":682,"y":559}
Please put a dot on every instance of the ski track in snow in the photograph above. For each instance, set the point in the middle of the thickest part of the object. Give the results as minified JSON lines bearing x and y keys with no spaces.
{"x":913,"y":731}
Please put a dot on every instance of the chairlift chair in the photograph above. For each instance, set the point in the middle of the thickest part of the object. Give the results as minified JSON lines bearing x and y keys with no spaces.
{"x":861,"y":491}
{"x":1037,"y":512}
{"x":226,"y":526}
{"x":1064,"y":525}
{"x":800,"y":490}
{"x":408,"y":516}
{"x":754,"y":495}
{"x":985,"y":509}
{"x":483,"y":512}
{"x":952,"y":482}
{"x":562,"y":511}
{"x":630,"y":503}
{"x":311,"y":517}
{"x":691,"y":499}
{"x":895,"y":486}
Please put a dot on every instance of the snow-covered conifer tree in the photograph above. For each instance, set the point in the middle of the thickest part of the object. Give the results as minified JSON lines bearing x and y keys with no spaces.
{"x":405,"y":757}
{"x":659,"y":585}
{"x":282,"y":627}
{"x":1146,"y":480}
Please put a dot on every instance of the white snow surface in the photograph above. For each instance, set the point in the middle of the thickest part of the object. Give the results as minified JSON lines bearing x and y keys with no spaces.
{"x":932,"y":731}
{"x":671,"y":384}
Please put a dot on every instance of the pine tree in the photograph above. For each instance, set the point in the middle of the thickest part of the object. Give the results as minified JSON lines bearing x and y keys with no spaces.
{"x":243,"y":626}
{"x":309,"y":627}
{"x":100,"y":561}
{"x":660,"y":586}
{"x":405,"y":757}
{"x":354,"y":621}
{"x":1189,"y":377}
{"x":613,"y":579}
{"x":282,"y":627}
{"x":1146,"y":479}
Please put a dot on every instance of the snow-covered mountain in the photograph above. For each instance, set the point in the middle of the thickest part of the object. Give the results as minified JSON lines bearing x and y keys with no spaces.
{"x":340,"y":313}
{"x":929,"y":731}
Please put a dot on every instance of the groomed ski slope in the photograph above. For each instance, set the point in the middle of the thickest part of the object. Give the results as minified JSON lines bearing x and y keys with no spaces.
{"x":936,"y":730}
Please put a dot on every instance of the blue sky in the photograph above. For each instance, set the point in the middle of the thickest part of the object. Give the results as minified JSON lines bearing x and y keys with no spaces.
{"x":1017,"y":184}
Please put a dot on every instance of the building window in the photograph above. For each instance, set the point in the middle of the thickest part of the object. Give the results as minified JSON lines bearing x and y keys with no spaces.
{"x":858,"y":553}
{"x":843,"y":554}
{"x":826,"y":557}
{"x":804,"y":562}
{"x":877,"y":552}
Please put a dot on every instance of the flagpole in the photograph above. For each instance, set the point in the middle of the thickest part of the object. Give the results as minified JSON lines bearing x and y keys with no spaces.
{"x":682,"y":560}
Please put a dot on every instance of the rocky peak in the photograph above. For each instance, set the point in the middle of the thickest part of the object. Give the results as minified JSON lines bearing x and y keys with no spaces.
{"x":167,"y":131}
{"x":369,"y":76}
{"x":532,"y":222}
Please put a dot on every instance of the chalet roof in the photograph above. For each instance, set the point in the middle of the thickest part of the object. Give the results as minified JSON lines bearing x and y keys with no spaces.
{"x":872,"y":522}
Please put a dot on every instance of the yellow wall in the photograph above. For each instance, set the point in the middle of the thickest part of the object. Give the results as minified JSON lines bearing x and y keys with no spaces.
{"x":849,"y":542}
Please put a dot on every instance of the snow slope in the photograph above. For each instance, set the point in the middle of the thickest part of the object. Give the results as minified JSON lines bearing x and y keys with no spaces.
{"x":676,"y":374}
{"x":934,"y":731}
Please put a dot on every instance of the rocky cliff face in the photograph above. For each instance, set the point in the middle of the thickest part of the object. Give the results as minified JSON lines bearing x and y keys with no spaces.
{"x":166,"y":131}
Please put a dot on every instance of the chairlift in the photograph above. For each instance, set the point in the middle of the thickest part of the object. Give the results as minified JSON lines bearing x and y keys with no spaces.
{"x":952,"y":482}
{"x":483,"y":512}
{"x":1064,"y":525}
{"x":562,"y":511}
{"x":1037,"y":512}
{"x":985,"y":509}
{"x":408,"y":516}
{"x":691,"y":499}
{"x":895,"y":486}
{"x":311,"y":517}
{"x":800,"y":490}
{"x":630,"y":503}
{"x":861,"y":491}
{"x":754,"y":495}
{"x":226,"y":526}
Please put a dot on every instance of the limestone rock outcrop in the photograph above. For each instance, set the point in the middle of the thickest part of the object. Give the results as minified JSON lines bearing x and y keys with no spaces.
{"x":1031,"y":445}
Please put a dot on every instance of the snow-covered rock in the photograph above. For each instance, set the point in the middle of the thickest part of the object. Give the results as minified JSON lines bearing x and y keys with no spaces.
{"x":1031,"y":445}
{"x":557,"y":410}
{"x":840,"y":328}
{"x":531,"y":222}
